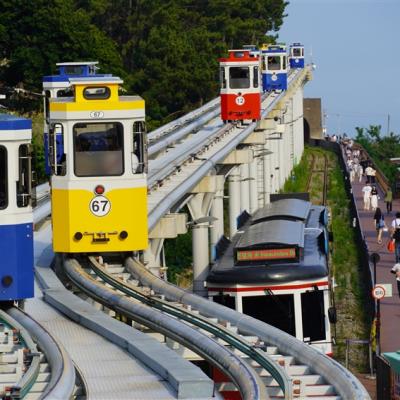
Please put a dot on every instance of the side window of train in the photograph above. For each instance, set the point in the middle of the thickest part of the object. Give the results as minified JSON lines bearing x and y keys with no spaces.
{"x":47,"y":105}
{"x":222,"y":77}
{"x":263,"y":65}
{"x":57,"y":158}
{"x":255,"y":77}
{"x":3,"y":178}
{"x":24,"y":184}
{"x":139,"y":151}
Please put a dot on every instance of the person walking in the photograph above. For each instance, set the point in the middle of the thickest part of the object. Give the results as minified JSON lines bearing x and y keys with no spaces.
{"x":396,"y":270}
{"x":367,"y":196}
{"x":379,"y":220}
{"x":374,"y":198}
{"x":395,"y":235}
{"x":388,"y":200}
{"x":373,"y":175}
{"x":368,"y":172}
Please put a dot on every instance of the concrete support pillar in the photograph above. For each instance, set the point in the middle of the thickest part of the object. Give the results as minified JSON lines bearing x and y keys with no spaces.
{"x":253,"y":180}
{"x":199,"y":207}
{"x":217,"y":227}
{"x":200,"y":258}
{"x":244,"y":188}
{"x":234,"y":200}
{"x":152,"y":257}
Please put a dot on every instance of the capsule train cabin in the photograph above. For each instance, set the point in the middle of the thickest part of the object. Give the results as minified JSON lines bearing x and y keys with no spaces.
{"x":276,"y":270}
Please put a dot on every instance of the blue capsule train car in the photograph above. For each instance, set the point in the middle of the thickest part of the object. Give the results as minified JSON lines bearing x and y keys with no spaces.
{"x":16,"y":231}
{"x":56,"y":86}
{"x":296,"y":55}
{"x":274,"y":67}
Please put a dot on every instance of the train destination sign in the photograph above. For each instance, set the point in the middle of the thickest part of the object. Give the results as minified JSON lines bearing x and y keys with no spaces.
{"x":266,"y":254}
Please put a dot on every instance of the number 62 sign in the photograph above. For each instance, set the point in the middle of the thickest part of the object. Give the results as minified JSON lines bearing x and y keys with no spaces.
{"x":100,"y":206}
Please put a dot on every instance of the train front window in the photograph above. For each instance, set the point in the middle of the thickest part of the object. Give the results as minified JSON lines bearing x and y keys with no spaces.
{"x":274,"y":63}
{"x":239,"y":77}
{"x":284,"y":62}
{"x":296,"y":52}
{"x":312,"y":305}
{"x":3,"y":178}
{"x":98,"y":149}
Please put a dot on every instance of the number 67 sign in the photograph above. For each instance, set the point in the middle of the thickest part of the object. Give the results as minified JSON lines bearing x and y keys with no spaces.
{"x":100,"y":206}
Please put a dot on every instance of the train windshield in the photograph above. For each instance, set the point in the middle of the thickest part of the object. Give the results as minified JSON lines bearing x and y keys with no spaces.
{"x":274,"y":63}
{"x":3,"y":178}
{"x":239,"y":77}
{"x":98,"y":149}
{"x":296,"y":52}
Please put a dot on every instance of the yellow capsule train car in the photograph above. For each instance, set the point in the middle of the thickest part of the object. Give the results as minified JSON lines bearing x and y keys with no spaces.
{"x":98,"y":183}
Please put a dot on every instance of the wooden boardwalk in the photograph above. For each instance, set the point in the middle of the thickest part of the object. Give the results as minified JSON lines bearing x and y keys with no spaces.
{"x":390,"y":306}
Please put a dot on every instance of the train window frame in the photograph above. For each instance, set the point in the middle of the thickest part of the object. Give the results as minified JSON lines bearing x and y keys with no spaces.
{"x":121,"y":150}
{"x":284,"y":62}
{"x":24,"y":183}
{"x":57,"y":168}
{"x":139,"y":147}
{"x":255,"y":77}
{"x":96,"y":96}
{"x":4,"y":169}
{"x":222,"y":77}
{"x":246,"y":80}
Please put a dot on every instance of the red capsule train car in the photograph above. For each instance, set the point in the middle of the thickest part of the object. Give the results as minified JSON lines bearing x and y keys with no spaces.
{"x":240,"y":86}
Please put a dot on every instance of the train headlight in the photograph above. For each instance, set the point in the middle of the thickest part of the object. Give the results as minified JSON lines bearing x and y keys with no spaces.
{"x":78,"y":236}
{"x":274,"y":77}
{"x":7,"y":281}
{"x":123,"y":235}
{"x":99,"y":189}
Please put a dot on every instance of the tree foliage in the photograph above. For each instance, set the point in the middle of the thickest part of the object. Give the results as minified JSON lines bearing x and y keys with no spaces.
{"x":166,"y":50}
{"x":380,"y":148}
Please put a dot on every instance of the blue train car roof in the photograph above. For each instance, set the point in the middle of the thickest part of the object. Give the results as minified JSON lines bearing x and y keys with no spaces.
{"x":312,"y":265}
{"x":88,"y":69}
{"x":11,"y":122}
{"x":291,"y":209}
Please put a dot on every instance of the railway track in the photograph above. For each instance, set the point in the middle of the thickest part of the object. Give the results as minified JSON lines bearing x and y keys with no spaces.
{"x":317,"y":187}
{"x":116,"y":285}
{"x":33,"y":366}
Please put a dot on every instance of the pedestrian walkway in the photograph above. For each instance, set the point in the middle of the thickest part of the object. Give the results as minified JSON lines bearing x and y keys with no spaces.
{"x":390,"y":306}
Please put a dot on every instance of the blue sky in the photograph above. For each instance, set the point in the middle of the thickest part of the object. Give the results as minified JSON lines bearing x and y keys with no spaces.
{"x":355,"y":45}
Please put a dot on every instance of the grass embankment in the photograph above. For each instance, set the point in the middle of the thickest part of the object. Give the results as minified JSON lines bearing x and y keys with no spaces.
{"x":352,"y":321}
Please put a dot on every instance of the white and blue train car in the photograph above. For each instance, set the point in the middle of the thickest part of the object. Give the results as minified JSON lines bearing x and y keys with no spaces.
{"x":16,"y":220}
{"x":296,"y":56}
{"x":274,"y":67}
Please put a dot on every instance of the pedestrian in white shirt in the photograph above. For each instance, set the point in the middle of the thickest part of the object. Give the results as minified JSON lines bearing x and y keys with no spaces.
{"x":396,"y":270}
{"x":367,"y":196}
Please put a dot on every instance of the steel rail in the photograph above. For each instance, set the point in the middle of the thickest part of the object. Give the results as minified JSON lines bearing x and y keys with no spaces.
{"x":236,"y":341}
{"x":166,"y":129}
{"x":62,"y":381}
{"x":344,"y":382}
{"x":21,"y":388}
{"x":247,"y":381}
